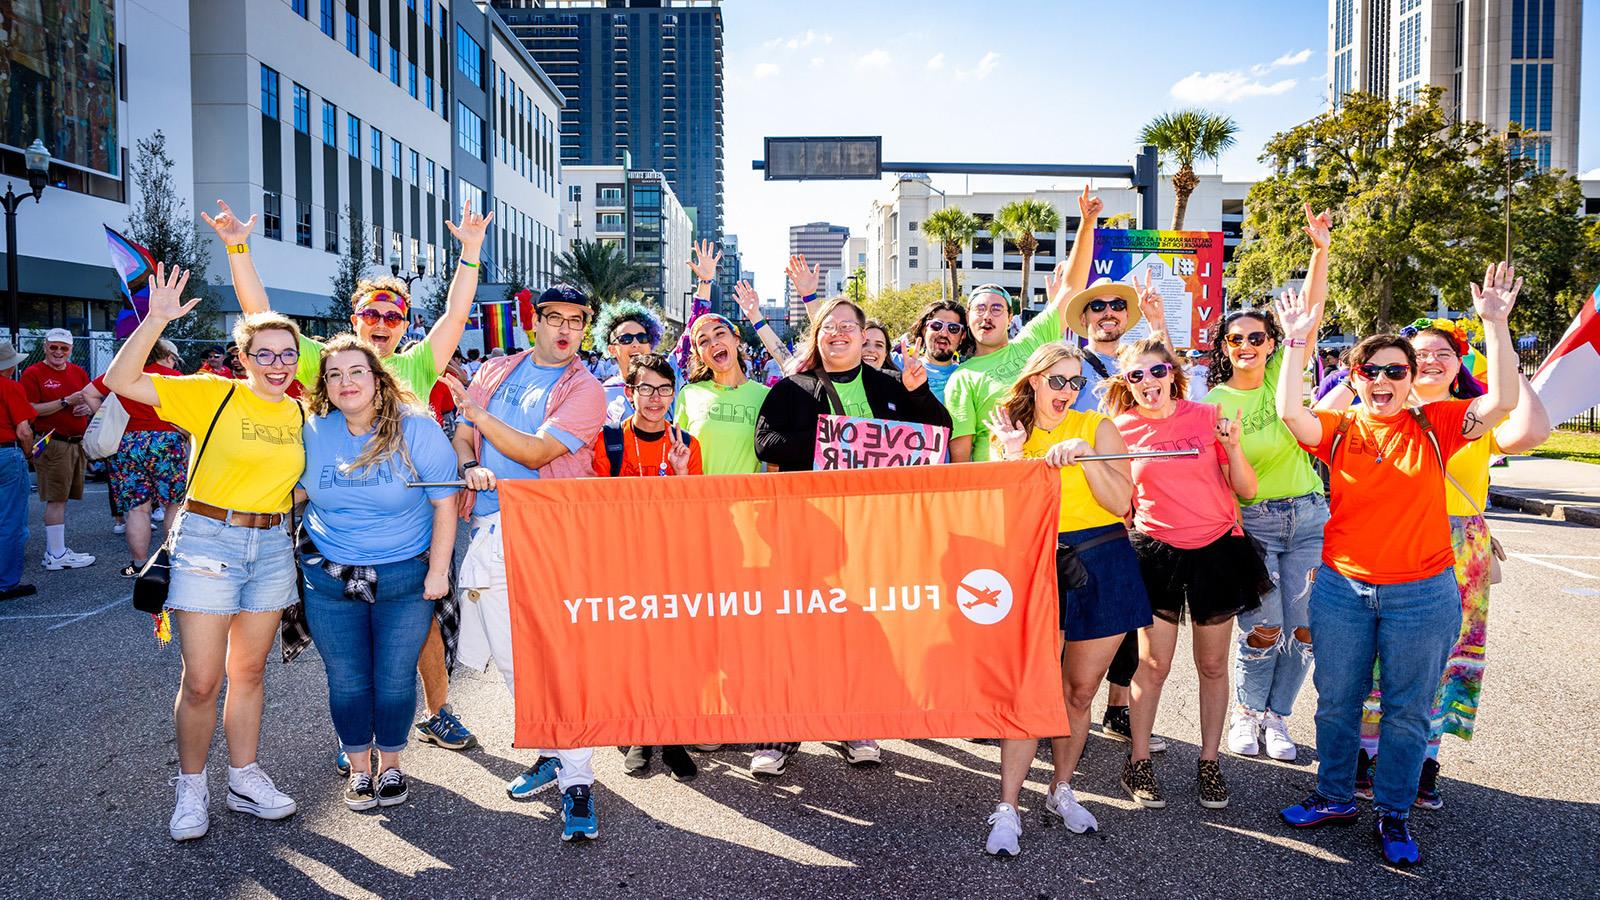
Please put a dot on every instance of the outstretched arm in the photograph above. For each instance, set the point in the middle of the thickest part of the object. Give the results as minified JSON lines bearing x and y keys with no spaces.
{"x":247,"y":286}
{"x":1529,"y":424}
{"x":1299,"y":322}
{"x":446,"y":334}
{"x":1494,"y":300}
{"x":1072,"y":276}
{"x":126,"y":377}
{"x":805,"y":279}
{"x":750,"y":302}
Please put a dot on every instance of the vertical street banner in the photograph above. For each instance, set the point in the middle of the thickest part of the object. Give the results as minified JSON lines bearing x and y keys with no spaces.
{"x":909,"y":602}
{"x":853,"y":442}
{"x":1187,"y":268}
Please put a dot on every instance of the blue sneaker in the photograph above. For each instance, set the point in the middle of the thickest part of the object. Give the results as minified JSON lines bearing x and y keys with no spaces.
{"x":341,"y":764}
{"x":1394,"y":837}
{"x":446,"y":730}
{"x":580,"y":820}
{"x":538,"y":776}
{"x":1316,"y":811}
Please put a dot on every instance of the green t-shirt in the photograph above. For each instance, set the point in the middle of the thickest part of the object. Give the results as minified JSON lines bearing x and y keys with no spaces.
{"x":413,"y":367}
{"x":977,"y":386}
{"x":723,"y":420}
{"x":1282,"y":468}
{"x":854,"y":397}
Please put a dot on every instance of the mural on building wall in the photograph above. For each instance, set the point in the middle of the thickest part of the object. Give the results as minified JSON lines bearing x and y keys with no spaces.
{"x":58,"y":79}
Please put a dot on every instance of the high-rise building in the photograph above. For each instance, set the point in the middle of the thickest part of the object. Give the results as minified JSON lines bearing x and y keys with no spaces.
{"x":636,"y":210}
{"x":643,"y":76}
{"x":823,"y":246}
{"x":1498,"y":61}
{"x":728,"y":268}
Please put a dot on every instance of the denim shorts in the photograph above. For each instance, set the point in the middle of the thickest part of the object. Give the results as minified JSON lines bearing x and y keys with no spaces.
{"x":1114,"y":600}
{"x":227,"y":569}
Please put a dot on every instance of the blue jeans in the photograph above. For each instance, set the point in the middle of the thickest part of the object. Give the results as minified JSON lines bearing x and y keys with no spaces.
{"x":1290,"y":530}
{"x":14,"y":492}
{"x":1409,"y":628}
{"x":370,"y":652}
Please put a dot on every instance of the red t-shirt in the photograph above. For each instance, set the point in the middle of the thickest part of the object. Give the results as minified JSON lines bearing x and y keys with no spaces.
{"x":440,"y":401}
{"x":220,"y":371}
{"x":14,"y":408}
{"x":44,"y":384}
{"x":1180,"y":500}
{"x":141,"y":416}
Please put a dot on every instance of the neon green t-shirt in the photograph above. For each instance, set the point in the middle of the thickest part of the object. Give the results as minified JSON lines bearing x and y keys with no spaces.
{"x":413,"y":367}
{"x":723,"y":420}
{"x":1282,"y":468}
{"x":854,"y":397}
{"x":977,"y":386}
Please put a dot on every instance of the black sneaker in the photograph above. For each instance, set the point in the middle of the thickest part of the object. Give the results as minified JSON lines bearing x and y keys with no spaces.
{"x":636,"y":760}
{"x":1428,"y":786}
{"x":392,"y":788}
{"x":1365,"y":766}
{"x":358,"y":792}
{"x":1116,"y":726}
{"x":18,"y":590}
{"x":679,"y":765}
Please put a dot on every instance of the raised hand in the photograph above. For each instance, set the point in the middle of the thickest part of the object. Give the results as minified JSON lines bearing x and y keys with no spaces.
{"x":166,"y":295}
{"x":749,"y":301}
{"x":472,"y":230}
{"x":1296,"y":315}
{"x":1090,"y":205}
{"x":1319,"y":228}
{"x":1010,"y":435}
{"x":703,"y":260}
{"x":1228,"y":432}
{"x":1055,"y":284}
{"x":228,"y":227}
{"x":678,"y":452}
{"x":1068,"y":452}
{"x":913,"y":374}
{"x":1498,"y":293}
{"x":464,"y":405}
{"x":1150,"y":303}
{"x":804,"y":278}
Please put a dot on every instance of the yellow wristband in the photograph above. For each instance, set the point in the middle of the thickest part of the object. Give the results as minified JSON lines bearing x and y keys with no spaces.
{"x":238,"y":248}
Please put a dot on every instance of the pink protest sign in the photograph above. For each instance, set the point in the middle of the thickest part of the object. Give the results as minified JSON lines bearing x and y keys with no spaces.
{"x":851,"y":442}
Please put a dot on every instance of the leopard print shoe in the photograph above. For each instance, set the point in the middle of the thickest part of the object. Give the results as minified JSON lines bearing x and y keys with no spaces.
{"x":1210,"y":785}
{"x":1139,"y":780}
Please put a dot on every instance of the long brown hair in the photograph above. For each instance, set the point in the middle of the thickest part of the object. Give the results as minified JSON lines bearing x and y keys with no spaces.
{"x":391,"y":404}
{"x":1019,"y":402}
{"x":699,"y":369}
{"x":1116,"y":395}
{"x":808,"y":356}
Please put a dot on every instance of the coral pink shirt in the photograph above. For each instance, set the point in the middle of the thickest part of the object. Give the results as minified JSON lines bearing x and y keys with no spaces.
{"x":1182,"y":501}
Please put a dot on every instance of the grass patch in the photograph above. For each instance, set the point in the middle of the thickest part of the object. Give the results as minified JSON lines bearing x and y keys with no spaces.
{"x":1574,"y":445}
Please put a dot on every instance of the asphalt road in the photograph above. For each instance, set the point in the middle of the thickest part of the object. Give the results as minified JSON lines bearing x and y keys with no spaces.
{"x":86,"y":747}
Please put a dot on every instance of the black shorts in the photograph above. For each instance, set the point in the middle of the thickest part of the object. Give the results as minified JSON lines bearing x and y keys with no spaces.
{"x":1209,"y":584}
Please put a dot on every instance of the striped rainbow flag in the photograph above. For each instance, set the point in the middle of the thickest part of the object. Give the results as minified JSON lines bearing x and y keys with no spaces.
{"x":499,"y":322}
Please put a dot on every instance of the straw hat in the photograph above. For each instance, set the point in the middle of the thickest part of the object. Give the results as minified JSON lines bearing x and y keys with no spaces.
{"x":1104,"y":289}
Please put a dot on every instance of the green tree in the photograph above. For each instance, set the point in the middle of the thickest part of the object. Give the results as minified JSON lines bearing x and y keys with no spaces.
{"x":1018,"y":222}
{"x":953,"y":228}
{"x":602,"y":271}
{"x":856,"y":286}
{"x":898,"y":308}
{"x":1185,"y":137}
{"x":1556,"y":251}
{"x":1413,"y":196}
{"x":159,"y":220}
{"x":350,"y":269}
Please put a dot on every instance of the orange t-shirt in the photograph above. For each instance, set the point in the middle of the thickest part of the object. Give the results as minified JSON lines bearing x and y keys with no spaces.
{"x":1388,"y":521}
{"x":644,"y":453}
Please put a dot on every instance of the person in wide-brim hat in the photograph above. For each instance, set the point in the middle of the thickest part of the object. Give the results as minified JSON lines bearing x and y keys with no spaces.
{"x":9,"y":357}
{"x":1107,"y":291}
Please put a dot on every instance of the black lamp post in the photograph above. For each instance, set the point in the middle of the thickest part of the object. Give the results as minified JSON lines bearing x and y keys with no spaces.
{"x":394,"y":268}
{"x":37,"y":159}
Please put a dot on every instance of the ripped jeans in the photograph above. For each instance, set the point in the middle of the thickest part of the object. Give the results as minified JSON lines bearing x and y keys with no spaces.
{"x":1269,"y":678}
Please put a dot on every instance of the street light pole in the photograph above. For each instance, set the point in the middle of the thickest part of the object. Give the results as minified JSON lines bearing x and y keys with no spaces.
{"x":37,"y":159}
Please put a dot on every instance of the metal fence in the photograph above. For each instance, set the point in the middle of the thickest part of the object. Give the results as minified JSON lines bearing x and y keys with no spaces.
{"x":94,"y":352}
{"x":1529,"y":357}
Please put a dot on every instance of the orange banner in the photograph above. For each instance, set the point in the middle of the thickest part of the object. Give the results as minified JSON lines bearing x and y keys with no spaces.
{"x":878,"y":603}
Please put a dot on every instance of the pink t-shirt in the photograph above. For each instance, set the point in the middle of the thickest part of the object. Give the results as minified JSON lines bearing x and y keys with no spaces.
{"x":1182,"y":501}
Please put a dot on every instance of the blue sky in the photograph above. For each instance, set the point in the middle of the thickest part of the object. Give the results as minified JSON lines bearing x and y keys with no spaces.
{"x":1009,"y":82}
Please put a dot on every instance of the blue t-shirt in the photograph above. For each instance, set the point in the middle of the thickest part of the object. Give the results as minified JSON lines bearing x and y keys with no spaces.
{"x":938,"y":375}
{"x":1089,"y":398}
{"x":370,"y":517}
{"x":520,"y":402}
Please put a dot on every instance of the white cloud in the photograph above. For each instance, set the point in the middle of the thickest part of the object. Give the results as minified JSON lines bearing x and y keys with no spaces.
{"x":986,"y":65}
{"x":876,"y":59}
{"x":817,"y":62}
{"x":766,"y":70}
{"x":936,"y":62}
{"x":1292,"y":59}
{"x":1227,"y":87}
{"x":798,"y":41}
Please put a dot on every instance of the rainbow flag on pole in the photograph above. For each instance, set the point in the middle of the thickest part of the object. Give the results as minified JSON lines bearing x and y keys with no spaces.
{"x":499,"y":323}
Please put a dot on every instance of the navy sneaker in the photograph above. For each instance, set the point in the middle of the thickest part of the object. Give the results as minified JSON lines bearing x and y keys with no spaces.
{"x":341,"y":764}
{"x":580,"y":821}
{"x":1365,"y":766}
{"x":1316,"y":811}
{"x":446,"y":730}
{"x":1394,"y":837}
{"x":538,"y":776}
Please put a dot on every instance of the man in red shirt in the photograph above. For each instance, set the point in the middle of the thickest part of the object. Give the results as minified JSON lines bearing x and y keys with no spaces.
{"x":55,"y":388}
{"x":16,"y":436}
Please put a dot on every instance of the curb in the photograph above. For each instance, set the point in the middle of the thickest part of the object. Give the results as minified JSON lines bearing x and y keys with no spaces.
{"x":1566,"y":512}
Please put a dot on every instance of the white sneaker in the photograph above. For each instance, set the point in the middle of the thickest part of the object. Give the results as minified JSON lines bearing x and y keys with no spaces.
{"x":119,"y":528}
{"x":191,"y":816}
{"x":1005,"y":829}
{"x":159,"y":514}
{"x":251,"y":791}
{"x":1063,"y":806}
{"x":1158,"y":744}
{"x":67,"y":560}
{"x":768,"y":762}
{"x":862,"y":753}
{"x":1279,"y":745}
{"x":1242,"y":735}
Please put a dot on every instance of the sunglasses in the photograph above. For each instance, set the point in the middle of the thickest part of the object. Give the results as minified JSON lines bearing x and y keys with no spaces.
{"x":1256,"y":339}
{"x":1062,"y":382}
{"x":634,"y":338}
{"x":1393,"y":371}
{"x":1159,"y":370}
{"x":1099,"y":306}
{"x":938,"y":325}
{"x":265,"y":358}
{"x":373,"y":317}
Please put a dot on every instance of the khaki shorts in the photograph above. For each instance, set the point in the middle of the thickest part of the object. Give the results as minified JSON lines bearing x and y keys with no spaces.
{"x":60,"y":469}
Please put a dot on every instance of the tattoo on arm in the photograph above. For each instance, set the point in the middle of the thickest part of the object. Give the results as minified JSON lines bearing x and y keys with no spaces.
{"x":1470,"y":423}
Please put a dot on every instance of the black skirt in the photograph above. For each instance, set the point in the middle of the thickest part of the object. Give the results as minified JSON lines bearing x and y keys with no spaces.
{"x":1210,"y":584}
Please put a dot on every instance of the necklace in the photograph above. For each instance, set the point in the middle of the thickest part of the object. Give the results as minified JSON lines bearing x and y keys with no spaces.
{"x":1393,"y":443}
{"x":661,"y":470}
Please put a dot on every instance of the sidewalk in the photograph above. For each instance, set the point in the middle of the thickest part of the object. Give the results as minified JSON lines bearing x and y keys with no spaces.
{"x":1558,"y":488}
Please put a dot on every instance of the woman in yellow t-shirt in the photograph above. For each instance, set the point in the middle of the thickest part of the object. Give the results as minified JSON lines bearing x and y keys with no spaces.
{"x":1036,"y":420}
{"x":233,"y":570}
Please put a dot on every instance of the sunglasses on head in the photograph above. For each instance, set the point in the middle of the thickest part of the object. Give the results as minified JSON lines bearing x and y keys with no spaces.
{"x":1062,"y":382}
{"x":938,"y":325}
{"x":1393,"y":371}
{"x":1099,"y":306}
{"x":373,"y":317}
{"x":1256,"y":339}
{"x":635,"y":338}
{"x":1159,"y":370}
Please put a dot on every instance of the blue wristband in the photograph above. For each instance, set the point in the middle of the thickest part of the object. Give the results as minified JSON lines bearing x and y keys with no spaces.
{"x":808,"y":298}
{"x":762,"y":324}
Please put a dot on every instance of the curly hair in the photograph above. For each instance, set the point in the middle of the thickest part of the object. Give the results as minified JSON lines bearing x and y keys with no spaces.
{"x":1221,"y":368}
{"x":1117,"y":395}
{"x":382,"y":283}
{"x":391,"y":404}
{"x":613,"y":314}
{"x":966,"y":346}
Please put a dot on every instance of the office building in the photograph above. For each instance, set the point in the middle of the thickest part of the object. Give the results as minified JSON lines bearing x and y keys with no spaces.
{"x":643,"y":76}
{"x":1498,"y":61}
{"x":636,"y":209}
{"x":822,"y":245}
{"x":723,"y":299}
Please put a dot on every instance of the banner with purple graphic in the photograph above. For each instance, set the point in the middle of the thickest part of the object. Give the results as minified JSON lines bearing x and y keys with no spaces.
{"x":1186,"y":267}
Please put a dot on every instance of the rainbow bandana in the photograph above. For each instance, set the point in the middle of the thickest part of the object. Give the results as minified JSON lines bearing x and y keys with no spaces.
{"x":385,"y":296}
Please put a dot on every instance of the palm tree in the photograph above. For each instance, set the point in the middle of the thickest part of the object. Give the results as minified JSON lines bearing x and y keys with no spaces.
{"x":1019,"y":221}
{"x":602,"y":271}
{"x":954,"y":228}
{"x":1184,"y":137}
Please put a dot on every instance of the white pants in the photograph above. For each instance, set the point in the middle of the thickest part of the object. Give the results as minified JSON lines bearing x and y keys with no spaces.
{"x":486,"y":629}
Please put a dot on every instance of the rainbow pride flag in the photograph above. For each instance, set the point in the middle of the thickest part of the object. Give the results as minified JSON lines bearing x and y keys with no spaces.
{"x":134,"y":264}
{"x":499,"y":323}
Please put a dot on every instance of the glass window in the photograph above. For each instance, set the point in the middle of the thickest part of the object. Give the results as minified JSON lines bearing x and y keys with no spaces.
{"x":376,"y":143}
{"x":427,"y":14}
{"x":394,"y":157}
{"x":272,"y":215}
{"x":411,"y":79}
{"x":412,"y":165}
{"x":394,"y":67}
{"x":427,"y":89}
{"x":352,"y":131}
{"x":330,"y":230}
{"x":269,"y":92}
{"x":469,"y":130}
{"x":469,"y":57}
{"x":330,"y":126}
{"x":302,"y":110}
{"x":299,"y":7}
{"x":327,"y":17}
{"x":373,"y":58}
{"x":302,"y":223}
{"x":350,"y":33}
{"x":431,"y":183}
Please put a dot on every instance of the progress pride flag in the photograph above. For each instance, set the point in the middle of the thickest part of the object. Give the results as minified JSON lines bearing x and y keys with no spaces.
{"x":909,"y":602}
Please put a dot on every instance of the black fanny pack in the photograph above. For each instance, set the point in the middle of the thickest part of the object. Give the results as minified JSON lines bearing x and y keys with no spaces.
{"x":1071,"y":573}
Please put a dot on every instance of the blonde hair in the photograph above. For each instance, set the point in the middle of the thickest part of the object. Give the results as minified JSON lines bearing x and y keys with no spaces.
{"x":252,"y":324}
{"x":1019,"y":402}
{"x":391,"y":404}
{"x":1116,"y":395}
{"x":382,"y":283}
{"x":808,"y":355}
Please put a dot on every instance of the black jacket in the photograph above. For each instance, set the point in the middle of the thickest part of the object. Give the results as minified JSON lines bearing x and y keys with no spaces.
{"x":786,"y":429}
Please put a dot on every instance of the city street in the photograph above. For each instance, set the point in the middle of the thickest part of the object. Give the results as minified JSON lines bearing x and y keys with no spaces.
{"x":88,"y":749}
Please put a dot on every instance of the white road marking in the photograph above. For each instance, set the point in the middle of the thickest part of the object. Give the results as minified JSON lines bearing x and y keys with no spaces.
{"x":1560,"y":556}
{"x":71,"y":616}
{"x":1583,"y":592}
{"x":1539,"y":562}
{"x":80,"y":618}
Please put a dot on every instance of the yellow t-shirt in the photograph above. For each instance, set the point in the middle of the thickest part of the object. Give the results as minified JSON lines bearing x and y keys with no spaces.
{"x":1079,"y":509}
{"x":1470,"y":468}
{"x":255,"y":455}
